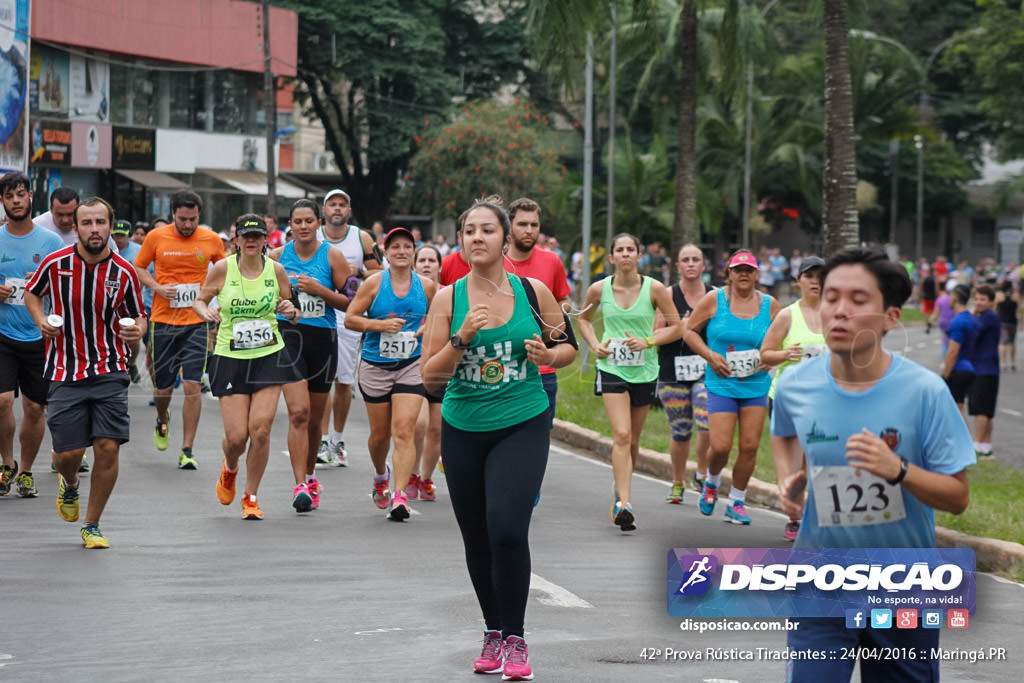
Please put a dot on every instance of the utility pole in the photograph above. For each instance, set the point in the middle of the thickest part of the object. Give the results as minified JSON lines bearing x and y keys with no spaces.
{"x":611,"y":137}
{"x":269,"y":113}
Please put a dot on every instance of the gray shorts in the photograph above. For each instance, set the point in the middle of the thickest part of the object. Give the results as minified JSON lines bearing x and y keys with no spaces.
{"x":94,"y":408}
{"x":378,"y":383}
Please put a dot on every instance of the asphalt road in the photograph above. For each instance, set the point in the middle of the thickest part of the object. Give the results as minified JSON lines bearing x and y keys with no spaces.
{"x":190,"y":592}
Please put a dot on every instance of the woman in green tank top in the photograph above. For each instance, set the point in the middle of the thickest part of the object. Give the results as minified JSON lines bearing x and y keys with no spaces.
{"x":794,"y":335}
{"x":627,"y":361}
{"x":485,"y":339}
{"x":250,"y":363}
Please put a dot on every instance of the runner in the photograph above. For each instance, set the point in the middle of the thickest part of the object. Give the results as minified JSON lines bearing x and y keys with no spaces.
{"x":861,"y":411}
{"x":484,"y":337}
{"x":1008,"y":307}
{"x":181,"y":254}
{"x":736,"y":318}
{"x":627,"y":368}
{"x":316,"y":273}
{"x":796,"y":335}
{"x":250,"y":362}
{"x":984,"y":391}
{"x":357,"y":247}
{"x":681,"y":378}
{"x":389,"y":310}
{"x":957,"y":368}
{"x":23,"y":246}
{"x":97,"y":316}
{"x":428,"y":425}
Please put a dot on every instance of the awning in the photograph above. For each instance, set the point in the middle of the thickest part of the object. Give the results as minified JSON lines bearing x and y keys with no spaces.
{"x":254,"y":183}
{"x":154,"y":180}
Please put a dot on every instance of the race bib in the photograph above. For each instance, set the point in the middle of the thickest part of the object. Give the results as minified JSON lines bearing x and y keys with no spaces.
{"x":251,"y":334}
{"x":689,"y":368}
{"x":847,"y":496}
{"x":311,"y":306}
{"x":397,"y":345}
{"x":622,"y":355}
{"x":17,"y":297}
{"x":812,"y":350}
{"x":743,"y":363}
{"x":185,"y":295}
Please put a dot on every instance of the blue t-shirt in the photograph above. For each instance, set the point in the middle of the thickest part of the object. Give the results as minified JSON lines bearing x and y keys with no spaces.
{"x":964,"y":331}
{"x":986,"y":347}
{"x":20,"y":256}
{"x":130,"y":251}
{"x":910,"y":408}
{"x":318,"y":267}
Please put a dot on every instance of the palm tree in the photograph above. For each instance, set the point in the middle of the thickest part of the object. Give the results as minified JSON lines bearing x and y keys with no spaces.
{"x":839,"y":184}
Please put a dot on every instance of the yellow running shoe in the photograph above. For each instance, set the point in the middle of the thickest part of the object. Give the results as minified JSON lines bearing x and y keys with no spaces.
{"x":67,"y":500}
{"x":93,"y":538}
{"x":160,"y":435}
{"x":251,"y":507}
{"x":226,"y":484}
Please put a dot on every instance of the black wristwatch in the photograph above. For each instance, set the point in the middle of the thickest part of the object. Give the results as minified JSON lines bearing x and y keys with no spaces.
{"x":457,"y":342}
{"x":904,"y":465}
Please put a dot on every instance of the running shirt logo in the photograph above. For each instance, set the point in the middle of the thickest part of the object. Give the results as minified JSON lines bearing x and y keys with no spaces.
{"x":491,"y":365}
{"x":891,"y":437}
{"x":491,"y":372}
{"x":111,"y":287}
{"x":36,"y":258}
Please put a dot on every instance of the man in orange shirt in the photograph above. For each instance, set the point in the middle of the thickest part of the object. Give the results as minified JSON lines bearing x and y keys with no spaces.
{"x":181,"y":254}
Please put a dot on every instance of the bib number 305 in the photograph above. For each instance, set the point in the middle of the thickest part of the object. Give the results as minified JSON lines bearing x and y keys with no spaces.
{"x":311,"y":306}
{"x":847,"y":496}
{"x":251,"y":334}
{"x":622,"y":355}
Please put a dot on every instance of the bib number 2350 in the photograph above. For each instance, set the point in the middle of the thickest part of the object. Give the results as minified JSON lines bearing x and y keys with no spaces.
{"x":743,"y":363}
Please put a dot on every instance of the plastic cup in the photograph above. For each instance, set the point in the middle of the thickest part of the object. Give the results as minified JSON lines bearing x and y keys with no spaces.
{"x":55,"y":320}
{"x":127,"y":322}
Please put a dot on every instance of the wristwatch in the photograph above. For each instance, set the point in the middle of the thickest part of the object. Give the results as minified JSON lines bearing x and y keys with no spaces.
{"x":904,"y":465}
{"x":457,"y":342}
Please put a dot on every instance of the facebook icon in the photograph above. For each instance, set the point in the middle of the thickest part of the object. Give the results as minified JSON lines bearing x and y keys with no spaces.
{"x":855,"y":618}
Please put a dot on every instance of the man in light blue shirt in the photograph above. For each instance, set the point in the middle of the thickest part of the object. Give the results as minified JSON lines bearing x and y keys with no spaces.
{"x":885,"y":447}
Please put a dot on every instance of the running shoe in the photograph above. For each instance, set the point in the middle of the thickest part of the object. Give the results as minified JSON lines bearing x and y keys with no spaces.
{"x":984,"y":455}
{"x":133,"y":374}
{"x":84,"y":467}
{"x":675,"y":495}
{"x":53,"y":465}
{"x":440,"y":465}
{"x":251,"y":507}
{"x":517,"y":660}
{"x":160,"y":437}
{"x":226,"y":484}
{"x":67,"y":500}
{"x":381,"y":495}
{"x":314,"y":488}
{"x":623,"y":516}
{"x":412,"y":491}
{"x":492,"y":656}
{"x":204,"y":384}
{"x":339,"y":456}
{"x":186,"y":461}
{"x":93,"y":538}
{"x":708,"y":498}
{"x":399,"y":507}
{"x":698,"y":484}
{"x":7,"y":475}
{"x":792,"y":530}
{"x":26,"y":485}
{"x":427,"y":489}
{"x":736,"y":512}
{"x":323,"y":454}
{"x":301,"y":500}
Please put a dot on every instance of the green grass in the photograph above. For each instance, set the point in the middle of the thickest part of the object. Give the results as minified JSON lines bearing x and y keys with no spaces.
{"x":993,"y":512}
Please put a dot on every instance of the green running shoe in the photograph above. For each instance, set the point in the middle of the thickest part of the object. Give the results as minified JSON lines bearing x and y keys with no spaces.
{"x":160,"y":437}
{"x":67,"y":500}
{"x":26,"y":485}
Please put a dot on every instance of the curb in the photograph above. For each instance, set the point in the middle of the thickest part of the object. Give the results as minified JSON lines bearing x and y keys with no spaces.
{"x":992,"y":554}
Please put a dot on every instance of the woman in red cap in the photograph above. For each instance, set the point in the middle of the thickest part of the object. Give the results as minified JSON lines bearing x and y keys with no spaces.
{"x":737,"y":318}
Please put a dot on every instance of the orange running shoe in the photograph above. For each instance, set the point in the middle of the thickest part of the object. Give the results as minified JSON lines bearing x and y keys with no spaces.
{"x":226,"y":484}
{"x":251,"y":507}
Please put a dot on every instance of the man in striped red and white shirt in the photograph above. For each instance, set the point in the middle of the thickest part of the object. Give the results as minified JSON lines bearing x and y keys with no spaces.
{"x":96,"y":321}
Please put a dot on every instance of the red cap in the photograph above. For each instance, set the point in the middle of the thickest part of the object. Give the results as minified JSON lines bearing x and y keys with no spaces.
{"x":395,"y":232}
{"x":743,"y":259}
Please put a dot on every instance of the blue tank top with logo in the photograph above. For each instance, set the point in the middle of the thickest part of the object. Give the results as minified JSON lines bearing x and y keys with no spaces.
{"x":383,"y":348}
{"x":313,"y":310}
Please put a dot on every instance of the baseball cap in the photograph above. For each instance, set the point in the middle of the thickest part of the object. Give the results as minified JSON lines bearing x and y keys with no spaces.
{"x":250,"y":226}
{"x":337,"y":191}
{"x":224,"y":235}
{"x":743,"y":259}
{"x":809,"y":262}
{"x":121,"y":227}
{"x":395,"y":232}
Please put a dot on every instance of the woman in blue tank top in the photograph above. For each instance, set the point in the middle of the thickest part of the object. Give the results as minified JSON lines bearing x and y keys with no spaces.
{"x":736,"y":318}
{"x":389,"y":309}
{"x":317,"y":274}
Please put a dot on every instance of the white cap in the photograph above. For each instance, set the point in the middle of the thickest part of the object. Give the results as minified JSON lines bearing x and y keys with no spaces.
{"x":337,"y":191}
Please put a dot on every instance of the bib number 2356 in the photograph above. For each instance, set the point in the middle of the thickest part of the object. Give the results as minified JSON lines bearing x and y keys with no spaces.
{"x":251,"y":334}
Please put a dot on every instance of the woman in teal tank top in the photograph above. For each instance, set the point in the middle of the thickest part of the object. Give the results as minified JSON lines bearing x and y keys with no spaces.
{"x":484,"y":338}
{"x":736,"y":318}
{"x":250,"y":362}
{"x":795,"y":334}
{"x":627,"y":360}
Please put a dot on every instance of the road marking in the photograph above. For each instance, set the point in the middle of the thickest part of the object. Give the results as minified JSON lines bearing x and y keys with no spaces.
{"x":377,"y":630}
{"x":1008,"y":411}
{"x":556,"y":595}
{"x":921,"y":345}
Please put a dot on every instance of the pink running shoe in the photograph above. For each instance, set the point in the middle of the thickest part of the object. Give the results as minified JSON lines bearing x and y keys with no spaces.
{"x":427,"y":489}
{"x":792,"y":530}
{"x":517,"y":660}
{"x":315,"y":489}
{"x":381,"y":495}
{"x":412,"y":491}
{"x":301,"y":500}
{"x":399,"y":508}
{"x":492,"y":657}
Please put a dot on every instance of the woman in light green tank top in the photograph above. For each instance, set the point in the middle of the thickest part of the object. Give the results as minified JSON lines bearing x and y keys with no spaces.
{"x":795,"y":335}
{"x":250,"y":363}
{"x":627,"y":360}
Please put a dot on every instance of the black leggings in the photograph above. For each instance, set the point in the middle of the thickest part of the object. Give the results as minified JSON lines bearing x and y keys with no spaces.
{"x":493,"y":480}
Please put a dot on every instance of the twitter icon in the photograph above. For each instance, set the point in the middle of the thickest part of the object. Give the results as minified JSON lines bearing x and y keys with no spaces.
{"x":881,"y":618}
